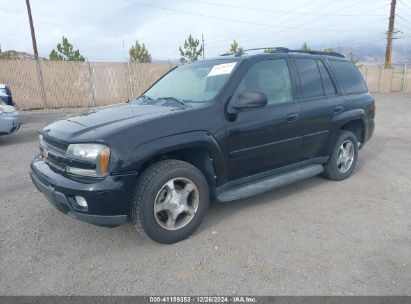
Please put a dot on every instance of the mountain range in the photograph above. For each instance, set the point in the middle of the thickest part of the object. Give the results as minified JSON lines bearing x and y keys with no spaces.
{"x":366,"y":54}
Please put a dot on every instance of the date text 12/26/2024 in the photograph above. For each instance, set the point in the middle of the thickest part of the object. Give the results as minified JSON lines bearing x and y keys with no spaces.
{"x":203,"y":299}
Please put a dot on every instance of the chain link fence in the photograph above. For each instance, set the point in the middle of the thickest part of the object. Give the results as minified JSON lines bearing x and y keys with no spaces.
{"x":69,"y":84}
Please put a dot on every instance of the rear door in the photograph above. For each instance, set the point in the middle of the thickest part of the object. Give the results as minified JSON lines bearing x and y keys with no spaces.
{"x":266,"y":138}
{"x":320,"y":102}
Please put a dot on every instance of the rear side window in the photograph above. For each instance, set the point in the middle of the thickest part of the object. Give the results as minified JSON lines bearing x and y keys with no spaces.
{"x":348,"y":77}
{"x":329,"y":88}
{"x":311,"y":83}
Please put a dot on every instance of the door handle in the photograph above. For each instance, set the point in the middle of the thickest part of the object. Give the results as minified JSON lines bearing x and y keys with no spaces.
{"x":338,"y":109}
{"x":292,"y":117}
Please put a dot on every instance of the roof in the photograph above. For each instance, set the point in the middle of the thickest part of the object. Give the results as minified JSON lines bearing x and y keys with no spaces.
{"x":279,"y":50}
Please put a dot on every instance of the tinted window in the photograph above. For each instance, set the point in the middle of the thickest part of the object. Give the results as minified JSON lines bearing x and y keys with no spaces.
{"x":329,"y":88}
{"x":348,"y":77}
{"x":270,"y":77}
{"x":311,"y":83}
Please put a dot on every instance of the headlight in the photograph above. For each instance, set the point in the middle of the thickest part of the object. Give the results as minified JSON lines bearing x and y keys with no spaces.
{"x":7,"y":109}
{"x":96,"y":154}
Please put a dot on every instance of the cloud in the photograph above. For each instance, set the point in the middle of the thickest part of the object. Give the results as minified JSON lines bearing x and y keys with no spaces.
{"x":98,"y":28}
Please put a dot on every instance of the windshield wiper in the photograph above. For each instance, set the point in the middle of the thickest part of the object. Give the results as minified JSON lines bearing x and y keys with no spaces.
{"x":146,"y":99}
{"x":174,"y":100}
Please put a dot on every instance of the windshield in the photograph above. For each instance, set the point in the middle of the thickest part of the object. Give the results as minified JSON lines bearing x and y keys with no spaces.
{"x":196,"y":82}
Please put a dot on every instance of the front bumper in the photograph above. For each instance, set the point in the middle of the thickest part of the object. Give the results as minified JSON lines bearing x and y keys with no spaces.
{"x":108,"y":199}
{"x":9,"y":122}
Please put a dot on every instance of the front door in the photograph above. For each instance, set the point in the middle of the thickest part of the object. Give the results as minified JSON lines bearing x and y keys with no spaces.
{"x":261,"y":139}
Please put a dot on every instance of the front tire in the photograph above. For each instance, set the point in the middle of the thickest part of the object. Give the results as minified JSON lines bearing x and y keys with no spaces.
{"x":170,"y":201}
{"x":343,"y":158}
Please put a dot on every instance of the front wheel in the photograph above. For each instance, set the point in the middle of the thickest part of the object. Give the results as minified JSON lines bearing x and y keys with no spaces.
{"x":343,"y":158}
{"x":170,"y":201}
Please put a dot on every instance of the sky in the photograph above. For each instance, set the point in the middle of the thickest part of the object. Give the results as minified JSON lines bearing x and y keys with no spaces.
{"x":100,"y":27}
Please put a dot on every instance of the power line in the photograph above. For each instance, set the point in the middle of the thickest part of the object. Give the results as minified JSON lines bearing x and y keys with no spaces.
{"x":247,"y":29}
{"x":403,"y":3}
{"x":234,"y":20}
{"x":310,"y":21}
{"x":269,"y":10}
{"x":403,"y":11}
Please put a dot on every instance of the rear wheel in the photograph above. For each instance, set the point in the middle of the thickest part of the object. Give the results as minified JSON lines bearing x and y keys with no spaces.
{"x":343,"y":158}
{"x":170,"y":201}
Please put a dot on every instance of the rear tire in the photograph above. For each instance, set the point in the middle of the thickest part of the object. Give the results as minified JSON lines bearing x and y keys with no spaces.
{"x":170,"y":201}
{"x":343,"y":158}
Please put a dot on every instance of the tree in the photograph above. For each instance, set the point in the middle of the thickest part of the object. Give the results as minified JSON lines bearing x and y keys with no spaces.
{"x":11,"y":54}
{"x":305,"y":47}
{"x":139,"y":53}
{"x":328,"y":50}
{"x":191,"y":51}
{"x":234,"y":48}
{"x":66,"y":52}
{"x":355,"y":61}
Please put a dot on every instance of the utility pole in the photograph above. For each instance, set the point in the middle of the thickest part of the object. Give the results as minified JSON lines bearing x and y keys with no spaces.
{"x":390,"y":34}
{"x":36,"y":55}
{"x":202,"y":39}
{"x":33,"y":35}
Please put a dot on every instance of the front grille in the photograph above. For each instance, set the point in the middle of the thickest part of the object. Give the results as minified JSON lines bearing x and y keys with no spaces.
{"x":53,"y":144}
{"x":53,"y":162}
{"x":56,"y":152}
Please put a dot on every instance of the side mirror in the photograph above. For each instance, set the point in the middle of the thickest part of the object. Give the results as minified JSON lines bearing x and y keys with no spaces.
{"x":251,"y":99}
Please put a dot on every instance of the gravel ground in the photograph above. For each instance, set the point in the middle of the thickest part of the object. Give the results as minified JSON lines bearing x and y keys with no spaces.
{"x":316,"y":237}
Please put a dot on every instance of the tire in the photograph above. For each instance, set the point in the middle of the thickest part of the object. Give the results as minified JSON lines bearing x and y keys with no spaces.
{"x":340,"y":166}
{"x":170,"y":201}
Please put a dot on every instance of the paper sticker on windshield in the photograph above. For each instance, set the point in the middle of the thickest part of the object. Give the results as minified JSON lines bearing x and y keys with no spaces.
{"x":222,"y":69}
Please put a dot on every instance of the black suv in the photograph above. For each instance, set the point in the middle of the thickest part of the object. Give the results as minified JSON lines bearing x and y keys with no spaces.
{"x":220,"y":129}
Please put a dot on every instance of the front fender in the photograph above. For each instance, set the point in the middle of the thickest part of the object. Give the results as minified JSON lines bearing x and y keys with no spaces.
{"x":138,"y":155}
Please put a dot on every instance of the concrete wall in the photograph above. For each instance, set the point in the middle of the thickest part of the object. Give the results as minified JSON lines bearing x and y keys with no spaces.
{"x":397,"y":79}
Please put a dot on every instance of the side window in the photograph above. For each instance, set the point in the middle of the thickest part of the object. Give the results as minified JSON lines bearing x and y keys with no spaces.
{"x":329,"y":88}
{"x":348,"y":77}
{"x":311,"y":83}
{"x":270,"y":77}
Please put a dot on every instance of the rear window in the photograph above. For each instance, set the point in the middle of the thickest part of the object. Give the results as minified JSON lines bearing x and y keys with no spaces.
{"x":348,"y":77}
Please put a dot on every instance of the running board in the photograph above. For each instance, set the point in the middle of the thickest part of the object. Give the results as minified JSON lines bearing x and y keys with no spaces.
{"x":269,"y":183}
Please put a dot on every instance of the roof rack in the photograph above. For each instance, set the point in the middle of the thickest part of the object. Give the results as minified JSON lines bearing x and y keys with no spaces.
{"x":272,"y":50}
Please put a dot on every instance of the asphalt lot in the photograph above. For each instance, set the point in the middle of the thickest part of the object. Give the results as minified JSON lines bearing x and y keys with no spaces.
{"x":316,"y":237}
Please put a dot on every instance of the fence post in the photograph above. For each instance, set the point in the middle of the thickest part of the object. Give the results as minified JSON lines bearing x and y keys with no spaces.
{"x":366,"y":74}
{"x":404,"y":81}
{"x":41,"y":82}
{"x":90,"y":82}
{"x":129,"y":79}
{"x":379,"y":80}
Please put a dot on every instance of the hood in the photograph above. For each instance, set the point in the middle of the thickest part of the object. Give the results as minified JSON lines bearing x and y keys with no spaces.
{"x":97,"y":122}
